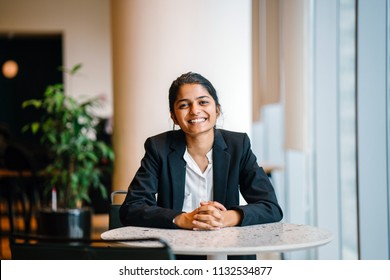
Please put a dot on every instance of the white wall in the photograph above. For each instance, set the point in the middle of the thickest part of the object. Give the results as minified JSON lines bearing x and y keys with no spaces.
{"x":220,"y":50}
{"x":156,"y":41}
{"x":166,"y":39}
{"x":85,"y":26}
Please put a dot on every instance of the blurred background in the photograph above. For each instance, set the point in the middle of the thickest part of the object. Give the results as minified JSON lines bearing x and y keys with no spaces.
{"x":307,"y":80}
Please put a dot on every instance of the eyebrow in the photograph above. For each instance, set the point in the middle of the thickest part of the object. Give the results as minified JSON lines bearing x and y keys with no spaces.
{"x":200,"y":97}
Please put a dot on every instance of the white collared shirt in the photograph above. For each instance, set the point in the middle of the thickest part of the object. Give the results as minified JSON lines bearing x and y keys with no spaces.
{"x":198,"y":184}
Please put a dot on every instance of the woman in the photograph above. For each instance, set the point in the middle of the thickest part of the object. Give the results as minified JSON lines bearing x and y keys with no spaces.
{"x":191,"y":178}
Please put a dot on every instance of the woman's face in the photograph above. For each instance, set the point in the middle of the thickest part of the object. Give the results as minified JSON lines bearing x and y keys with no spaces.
{"x":195,"y":110}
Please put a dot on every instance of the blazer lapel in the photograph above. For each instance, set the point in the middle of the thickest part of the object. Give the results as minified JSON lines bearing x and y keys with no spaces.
{"x":221,"y":162}
{"x":177,"y":169}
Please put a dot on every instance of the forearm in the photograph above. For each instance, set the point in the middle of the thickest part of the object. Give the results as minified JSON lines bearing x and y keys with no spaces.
{"x":259,"y":213}
{"x":147,"y":216}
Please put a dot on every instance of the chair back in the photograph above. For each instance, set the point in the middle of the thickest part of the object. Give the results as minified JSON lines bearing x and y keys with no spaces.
{"x":113,"y":215}
{"x":30,"y":247}
{"x":21,"y":190}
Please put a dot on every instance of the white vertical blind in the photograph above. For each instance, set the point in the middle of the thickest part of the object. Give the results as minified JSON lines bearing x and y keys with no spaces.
{"x":326,"y":121}
{"x":347,"y":127}
{"x":294,"y":51}
{"x":266,"y":86}
{"x":373,"y":142}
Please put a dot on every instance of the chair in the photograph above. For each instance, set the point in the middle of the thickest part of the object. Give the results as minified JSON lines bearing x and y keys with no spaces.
{"x":20,"y":189}
{"x":113,"y":215}
{"x":33,"y":247}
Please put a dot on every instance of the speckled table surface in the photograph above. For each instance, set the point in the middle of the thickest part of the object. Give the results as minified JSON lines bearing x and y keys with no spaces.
{"x":273,"y":237}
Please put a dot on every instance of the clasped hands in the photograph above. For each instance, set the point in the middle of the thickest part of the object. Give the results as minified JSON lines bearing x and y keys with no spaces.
{"x":210,"y":215}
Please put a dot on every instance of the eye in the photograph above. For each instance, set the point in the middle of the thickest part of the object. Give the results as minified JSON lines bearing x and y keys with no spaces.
{"x":203,"y":102}
{"x":183,"y":105}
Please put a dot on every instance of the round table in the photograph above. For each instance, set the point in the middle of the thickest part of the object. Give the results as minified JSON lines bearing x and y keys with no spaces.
{"x":217,"y":244}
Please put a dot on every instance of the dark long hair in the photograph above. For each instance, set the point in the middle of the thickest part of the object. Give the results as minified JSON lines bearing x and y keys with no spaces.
{"x":190,"y":78}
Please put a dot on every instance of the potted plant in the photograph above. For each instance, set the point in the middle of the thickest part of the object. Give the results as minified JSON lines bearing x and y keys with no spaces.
{"x":68,"y":129}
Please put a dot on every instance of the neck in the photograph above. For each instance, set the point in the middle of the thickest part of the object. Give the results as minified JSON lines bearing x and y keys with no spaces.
{"x":200,"y":144}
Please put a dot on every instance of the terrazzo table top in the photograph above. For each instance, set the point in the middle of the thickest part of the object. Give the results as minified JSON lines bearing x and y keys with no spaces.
{"x":273,"y":237}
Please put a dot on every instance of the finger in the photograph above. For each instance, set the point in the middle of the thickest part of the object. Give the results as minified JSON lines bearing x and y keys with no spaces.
{"x":214,"y":214}
{"x":207,"y":207}
{"x":210,"y":211}
{"x":215,"y":204}
{"x":211,"y":225}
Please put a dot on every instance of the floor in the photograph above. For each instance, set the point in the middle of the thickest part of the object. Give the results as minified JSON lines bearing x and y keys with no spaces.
{"x":99,"y":225}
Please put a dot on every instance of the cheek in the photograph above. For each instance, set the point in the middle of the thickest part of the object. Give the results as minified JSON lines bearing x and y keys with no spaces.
{"x":178,"y":117}
{"x":213,"y":114}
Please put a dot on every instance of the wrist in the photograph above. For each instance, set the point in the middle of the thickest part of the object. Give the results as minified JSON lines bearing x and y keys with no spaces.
{"x":232,"y":218}
{"x":181,"y":221}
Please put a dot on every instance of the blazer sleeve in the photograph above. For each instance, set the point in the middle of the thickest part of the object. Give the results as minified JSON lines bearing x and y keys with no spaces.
{"x":256,"y":188}
{"x":140,"y":206}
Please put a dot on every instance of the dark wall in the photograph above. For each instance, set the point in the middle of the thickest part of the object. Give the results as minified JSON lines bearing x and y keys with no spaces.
{"x":39,"y":58}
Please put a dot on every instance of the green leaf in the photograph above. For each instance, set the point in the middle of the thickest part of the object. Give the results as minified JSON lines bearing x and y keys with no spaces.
{"x":75,"y":68}
{"x":66,"y":126}
{"x":91,"y":156}
{"x":32,"y":102}
{"x":35,"y":127}
{"x":25,"y":128}
{"x":51,"y":137}
{"x":103,"y":190}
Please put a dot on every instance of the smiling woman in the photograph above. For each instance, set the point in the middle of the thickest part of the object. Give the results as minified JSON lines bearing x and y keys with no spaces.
{"x":195,"y":111}
{"x":199,"y":171}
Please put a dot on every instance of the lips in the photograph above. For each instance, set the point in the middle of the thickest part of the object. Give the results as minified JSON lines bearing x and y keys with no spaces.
{"x":199,"y":120}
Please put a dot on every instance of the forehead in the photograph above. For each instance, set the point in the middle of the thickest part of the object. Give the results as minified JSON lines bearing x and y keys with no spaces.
{"x":191,"y":91}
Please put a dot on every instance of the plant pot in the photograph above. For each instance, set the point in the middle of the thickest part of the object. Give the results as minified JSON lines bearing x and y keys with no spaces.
{"x":66,"y":223}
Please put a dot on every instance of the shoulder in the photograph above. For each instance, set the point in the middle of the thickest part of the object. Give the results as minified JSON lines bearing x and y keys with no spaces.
{"x":167,"y":136}
{"x":231,"y":139}
{"x":166,"y":139}
{"x":231,"y":136}
{"x":229,"y":133}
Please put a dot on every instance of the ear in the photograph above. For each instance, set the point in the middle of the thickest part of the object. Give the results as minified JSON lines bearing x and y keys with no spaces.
{"x":218,"y":110}
{"x":173,"y":117}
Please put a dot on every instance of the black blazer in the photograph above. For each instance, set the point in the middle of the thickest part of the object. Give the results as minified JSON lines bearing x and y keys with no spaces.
{"x":162,"y":175}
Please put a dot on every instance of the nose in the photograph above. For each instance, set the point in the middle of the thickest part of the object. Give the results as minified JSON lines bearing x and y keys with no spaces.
{"x":194,"y":109}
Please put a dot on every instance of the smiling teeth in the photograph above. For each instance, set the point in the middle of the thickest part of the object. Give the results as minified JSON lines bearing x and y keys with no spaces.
{"x":197,"y":120}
